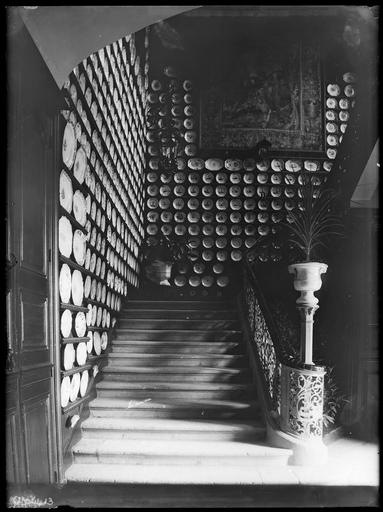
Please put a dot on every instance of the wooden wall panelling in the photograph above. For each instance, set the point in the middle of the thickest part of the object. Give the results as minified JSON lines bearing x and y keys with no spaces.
{"x":30,"y":382}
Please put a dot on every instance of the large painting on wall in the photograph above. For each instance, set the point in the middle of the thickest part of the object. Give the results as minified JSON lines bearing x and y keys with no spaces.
{"x":272,"y":92}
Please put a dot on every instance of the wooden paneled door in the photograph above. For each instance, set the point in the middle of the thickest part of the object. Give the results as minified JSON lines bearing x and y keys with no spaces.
{"x":32,"y":447}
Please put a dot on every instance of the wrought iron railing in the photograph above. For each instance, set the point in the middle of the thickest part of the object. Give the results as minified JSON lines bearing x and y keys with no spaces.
{"x":293,"y":393}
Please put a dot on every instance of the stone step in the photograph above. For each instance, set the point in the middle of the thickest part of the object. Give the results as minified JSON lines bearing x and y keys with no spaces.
{"x":184,"y":475}
{"x":176,"y":374}
{"x":124,"y":390}
{"x":172,"y":324}
{"x":181,"y":314}
{"x":176,"y":347}
{"x":178,"y":334}
{"x":174,"y":408}
{"x":179,"y":305}
{"x":171,"y":359}
{"x":165,"y":429}
{"x":184,"y":453}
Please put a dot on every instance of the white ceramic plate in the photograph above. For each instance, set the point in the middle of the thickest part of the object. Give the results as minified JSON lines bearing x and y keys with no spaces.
{"x":214,"y":164}
{"x":196,"y":164}
{"x":333,"y":89}
{"x":65,"y":391}
{"x":74,"y":387}
{"x":81,"y":353}
{"x":65,"y":283}
{"x":84,"y":383}
{"x":65,"y":237}
{"x":79,"y":207}
{"x":80,"y":165}
{"x":79,"y":247}
{"x":293,"y":165}
{"x":66,"y":323}
{"x":69,"y":356}
{"x":77,"y":288}
{"x":66,"y":191}
{"x":69,"y":145}
{"x":104,"y":340}
{"x":207,"y":281}
{"x":97,"y":343}
{"x":80,"y":324}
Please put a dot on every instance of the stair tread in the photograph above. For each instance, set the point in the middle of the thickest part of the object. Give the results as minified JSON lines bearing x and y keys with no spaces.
{"x":164,"y":386}
{"x":167,"y":474}
{"x":172,"y":355}
{"x":160,"y":424}
{"x":186,"y":343}
{"x":176,"y":448}
{"x":127,"y":403}
{"x":172,"y":369}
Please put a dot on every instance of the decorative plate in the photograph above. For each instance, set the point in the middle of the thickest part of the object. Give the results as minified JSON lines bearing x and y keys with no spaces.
{"x":193,"y":203}
{"x":331,"y":115}
{"x":79,"y":207}
{"x":207,"y":281}
{"x":344,"y":104}
{"x":349,"y":91}
{"x":69,"y":145}
{"x":196,"y":164}
{"x":331,"y":103}
{"x":214,"y":164}
{"x":249,"y":164}
{"x":179,"y":190}
{"x":344,"y":116}
{"x":222,"y":281}
{"x":207,"y":191}
{"x":180,"y":229}
{"x":343,"y":128}
{"x":189,"y":123}
{"x":66,"y":323}
{"x":79,"y":247}
{"x":104,"y":340}
{"x":80,"y":165}
{"x":179,"y":177}
{"x":233,"y":164}
{"x":207,"y":255}
{"x":166,"y":229}
{"x":193,"y":230}
{"x":77,"y":288}
{"x":331,"y":153}
{"x":193,"y":177}
{"x":262,"y":178}
{"x":179,"y":216}
{"x":221,"y":178}
{"x":263,"y":165}
{"x":97,"y":343}
{"x":311,"y":165}
{"x":190,"y":149}
{"x":208,"y":178}
{"x":207,"y":229}
{"x":65,"y":391}
{"x":275,"y":191}
{"x":236,"y":229}
{"x":236,"y":255}
{"x":221,"y":255}
{"x":190,"y":137}
{"x":81,"y":353}
{"x":84,"y":383}
{"x":69,"y":356}
{"x":193,"y":190}
{"x":207,"y":217}
{"x":333,"y":89}
{"x":293,"y":165}
{"x":235,"y":217}
{"x":74,"y":386}
{"x":178,"y":203}
{"x":65,"y":283}
{"x":277,"y":165}
{"x":331,"y":127}
{"x":189,"y":110}
{"x":235,"y":191}
{"x":276,"y":179}
{"x":87,"y":286}
{"x":220,"y":190}
{"x":66,"y":191}
{"x":248,"y":178}
{"x":249,"y":204}
{"x":332,"y":140}
{"x":164,"y":203}
{"x":65,"y":237}
{"x":235,"y":178}
{"x":249,"y":217}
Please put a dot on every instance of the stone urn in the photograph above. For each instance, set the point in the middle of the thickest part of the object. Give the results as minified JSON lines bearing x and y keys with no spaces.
{"x":307,"y":280}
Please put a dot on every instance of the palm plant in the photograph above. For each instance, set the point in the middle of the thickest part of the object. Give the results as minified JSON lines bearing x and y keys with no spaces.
{"x":315,"y":222}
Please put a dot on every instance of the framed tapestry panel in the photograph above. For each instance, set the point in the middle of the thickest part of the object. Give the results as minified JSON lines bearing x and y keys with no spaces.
{"x":273,"y":92}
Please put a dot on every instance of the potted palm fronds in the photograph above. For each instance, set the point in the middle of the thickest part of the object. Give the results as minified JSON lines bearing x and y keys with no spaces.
{"x":311,"y":228}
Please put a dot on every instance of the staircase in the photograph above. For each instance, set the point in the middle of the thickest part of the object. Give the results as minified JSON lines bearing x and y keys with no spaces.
{"x":176,"y":403}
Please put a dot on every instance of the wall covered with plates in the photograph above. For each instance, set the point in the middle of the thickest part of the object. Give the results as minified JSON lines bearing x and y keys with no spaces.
{"x":224,"y":203}
{"x":100,"y":210}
